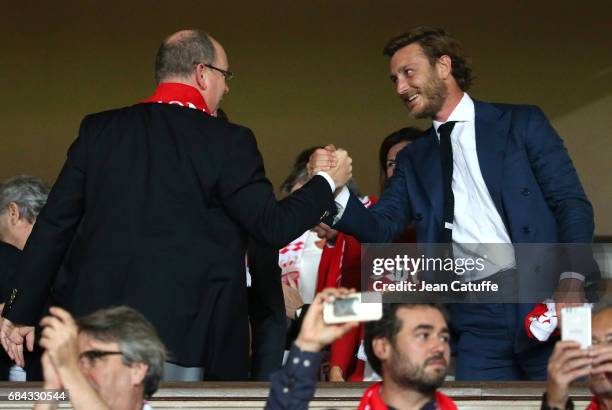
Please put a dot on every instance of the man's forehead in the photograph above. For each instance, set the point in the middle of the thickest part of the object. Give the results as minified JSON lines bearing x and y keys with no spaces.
{"x":221,"y":56}
{"x":87,"y":342}
{"x":409,"y":54}
{"x":413,"y":317}
{"x":602,"y":322}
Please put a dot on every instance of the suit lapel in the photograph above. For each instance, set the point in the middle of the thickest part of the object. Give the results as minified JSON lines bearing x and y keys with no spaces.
{"x":428,"y":167}
{"x":492,"y":127}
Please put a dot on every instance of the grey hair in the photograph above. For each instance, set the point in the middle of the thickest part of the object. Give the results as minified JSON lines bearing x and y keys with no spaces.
{"x":28,"y":192}
{"x":177,"y":57}
{"x":136,"y":336}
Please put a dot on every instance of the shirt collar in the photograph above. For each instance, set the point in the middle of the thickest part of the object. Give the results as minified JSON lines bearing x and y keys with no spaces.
{"x":463,"y":112}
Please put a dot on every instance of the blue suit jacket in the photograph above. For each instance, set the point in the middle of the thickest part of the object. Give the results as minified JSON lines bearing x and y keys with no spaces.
{"x":525,"y":166}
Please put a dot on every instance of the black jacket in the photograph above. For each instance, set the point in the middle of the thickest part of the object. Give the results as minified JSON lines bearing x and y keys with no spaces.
{"x":165,"y":197}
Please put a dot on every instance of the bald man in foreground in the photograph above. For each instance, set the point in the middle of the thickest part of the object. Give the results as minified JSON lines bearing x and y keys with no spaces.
{"x":164,"y":195}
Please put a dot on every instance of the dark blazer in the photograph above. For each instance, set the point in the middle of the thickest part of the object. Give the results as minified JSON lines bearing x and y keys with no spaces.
{"x":266,"y":311}
{"x":525,"y":166}
{"x":165,"y":197}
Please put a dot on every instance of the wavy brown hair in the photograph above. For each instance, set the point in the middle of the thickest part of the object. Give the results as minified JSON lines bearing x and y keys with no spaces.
{"x":436,"y":43}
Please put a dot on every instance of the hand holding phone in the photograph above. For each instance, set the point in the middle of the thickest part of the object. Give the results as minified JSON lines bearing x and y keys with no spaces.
{"x":350,"y":308}
{"x":576,"y":325}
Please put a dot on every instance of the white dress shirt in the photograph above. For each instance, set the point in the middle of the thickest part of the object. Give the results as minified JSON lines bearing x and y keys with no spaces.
{"x":476,"y":220}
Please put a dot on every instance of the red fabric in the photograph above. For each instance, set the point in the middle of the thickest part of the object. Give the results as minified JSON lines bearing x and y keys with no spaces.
{"x":343,"y":352}
{"x":372,"y":400}
{"x":330,"y":266}
{"x":536,"y":312}
{"x":341,"y":266}
{"x":593,"y":405}
{"x":539,"y":310}
{"x":178,"y":94}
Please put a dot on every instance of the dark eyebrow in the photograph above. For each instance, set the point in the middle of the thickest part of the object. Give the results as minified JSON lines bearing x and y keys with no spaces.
{"x":424,"y":326}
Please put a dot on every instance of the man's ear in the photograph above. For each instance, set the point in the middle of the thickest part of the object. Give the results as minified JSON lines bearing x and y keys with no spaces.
{"x":138,"y":372}
{"x":14,"y":214}
{"x":444,"y":67}
{"x":381,"y":348}
{"x":201,"y":77}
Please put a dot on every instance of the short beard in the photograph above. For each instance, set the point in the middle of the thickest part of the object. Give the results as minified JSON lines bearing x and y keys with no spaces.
{"x":435,"y":94}
{"x":404,"y":374}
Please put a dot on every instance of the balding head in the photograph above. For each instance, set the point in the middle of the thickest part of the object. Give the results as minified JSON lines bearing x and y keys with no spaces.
{"x":600,"y":380}
{"x":602,"y":322}
{"x":180,"y":52}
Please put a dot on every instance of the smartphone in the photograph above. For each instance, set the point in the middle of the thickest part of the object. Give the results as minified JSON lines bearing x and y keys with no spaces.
{"x":351,"y":309}
{"x":576,"y":325}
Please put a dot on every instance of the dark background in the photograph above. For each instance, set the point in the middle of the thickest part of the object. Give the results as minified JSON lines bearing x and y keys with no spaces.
{"x":307,"y":72}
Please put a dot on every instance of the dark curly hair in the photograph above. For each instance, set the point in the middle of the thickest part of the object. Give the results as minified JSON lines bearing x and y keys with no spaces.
{"x":388,"y":327}
{"x":435,"y":43}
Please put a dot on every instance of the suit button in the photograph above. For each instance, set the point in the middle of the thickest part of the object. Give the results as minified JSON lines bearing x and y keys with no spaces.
{"x":525,"y":192}
{"x":418,"y":217}
{"x":526,"y":230}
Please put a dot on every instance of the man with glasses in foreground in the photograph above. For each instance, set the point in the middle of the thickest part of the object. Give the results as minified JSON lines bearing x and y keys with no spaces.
{"x":110,"y":359}
{"x":569,"y":362}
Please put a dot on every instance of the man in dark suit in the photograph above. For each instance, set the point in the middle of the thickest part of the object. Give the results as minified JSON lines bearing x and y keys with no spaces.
{"x":164,"y":195}
{"x":485,"y":174}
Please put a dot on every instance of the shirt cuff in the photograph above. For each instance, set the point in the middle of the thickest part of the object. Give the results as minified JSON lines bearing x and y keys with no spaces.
{"x":303,"y":365}
{"x":572,"y":275}
{"x":329,"y":180}
{"x":341,"y":201}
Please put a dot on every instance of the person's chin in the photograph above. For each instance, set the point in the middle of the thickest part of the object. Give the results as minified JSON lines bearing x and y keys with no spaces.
{"x":417,"y":110}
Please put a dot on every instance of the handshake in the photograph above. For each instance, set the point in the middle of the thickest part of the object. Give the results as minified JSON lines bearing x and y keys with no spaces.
{"x":335,"y":162}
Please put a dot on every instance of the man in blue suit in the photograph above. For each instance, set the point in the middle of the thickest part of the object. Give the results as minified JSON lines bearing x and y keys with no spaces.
{"x":484,"y":173}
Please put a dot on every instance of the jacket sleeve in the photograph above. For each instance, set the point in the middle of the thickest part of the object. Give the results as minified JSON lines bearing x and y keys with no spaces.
{"x":248,"y":196}
{"x":294,"y":385}
{"x":51,"y":237}
{"x":266,"y":311}
{"x":558,"y":180}
{"x":385,"y":220}
{"x":565,"y":196}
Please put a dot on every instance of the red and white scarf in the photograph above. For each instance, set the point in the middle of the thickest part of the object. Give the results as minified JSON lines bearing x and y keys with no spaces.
{"x":179,"y":94}
{"x":372,"y":400}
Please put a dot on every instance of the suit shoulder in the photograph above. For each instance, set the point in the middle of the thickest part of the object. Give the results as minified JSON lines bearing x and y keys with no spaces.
{"x":189,"y":117}
{"x":519,"y":110}
{"x":106,"y":115}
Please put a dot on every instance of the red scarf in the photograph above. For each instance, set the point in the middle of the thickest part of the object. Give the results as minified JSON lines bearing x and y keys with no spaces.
{"x":594,"y":404}
{"x":179,"y":94}
{"x":372,"y":400}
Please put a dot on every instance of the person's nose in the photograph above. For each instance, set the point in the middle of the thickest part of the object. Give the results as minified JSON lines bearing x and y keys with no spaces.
{"x":401,"y":86}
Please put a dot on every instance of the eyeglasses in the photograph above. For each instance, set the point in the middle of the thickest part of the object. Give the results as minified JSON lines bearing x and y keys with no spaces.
{"x":89,"y":357}
{"x":226,"y":73}
{"x":606,"y":340}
